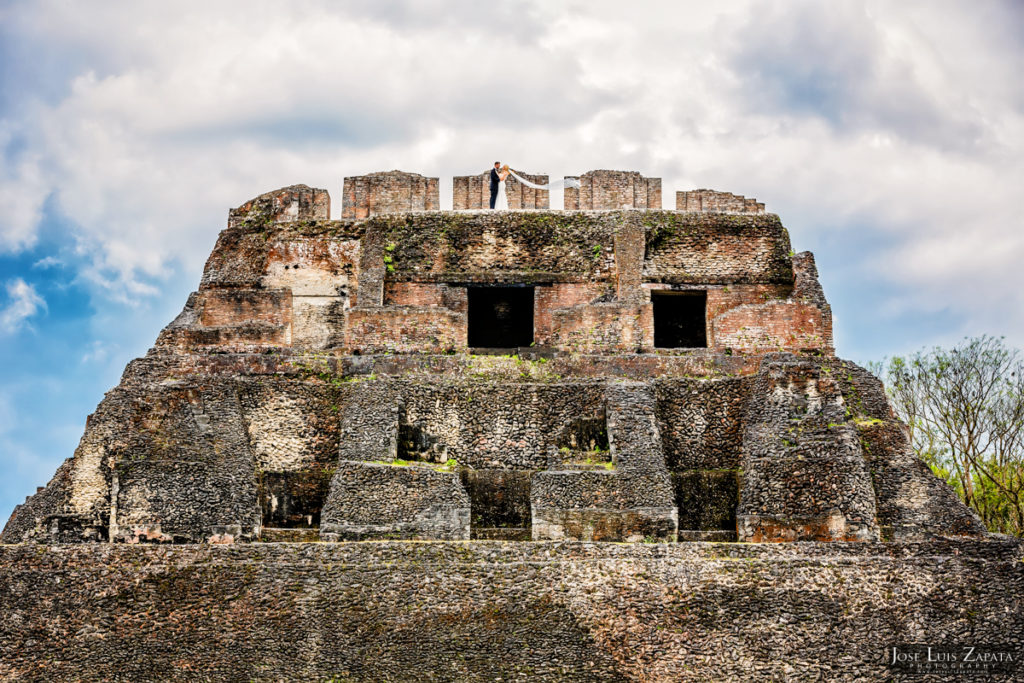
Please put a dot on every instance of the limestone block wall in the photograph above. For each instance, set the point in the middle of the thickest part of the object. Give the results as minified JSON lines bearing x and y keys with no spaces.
{"x":558,"y":296}
{"x":715,"y":201}
{"x":701,"y":248}
{"x":293,"y":430}
{"x":771,"y":326}
{"x":322,"y":275}
{"x":474,"y":192}
{"x":613,"y":190}
{"x":585,"y":317}
{"x":807,"y":290}
{"x":602,"y":506}
{"x":369,"y":414}
{"x":500,"y":611}
{"x":764,"y":318}
{"x":583,"y":270}
{"x":187,"y":475}
{"x":632,"y":501}
{"x":221,"y":307}
{"x":374,"y":500}
{"x":309,"y":267}
{"x":231,"y":319}
{"x":39,"y":516}
{"x":912,"y":503}
{"x":494,"y":247}
{"x":805,"y":476}
{"x":507,"y":426}
{"x":701,"y":425}
{"x":388,"y":192}
{"x":630,"y":251}
{"x":419,"y":294}
{"x":602,"y":328}
{"x":168,"y":464}
{"x":405,"y":329}
{"x":398,"y":282}
{"x":499,"y":503}
{"x":701,"y":422}
{"x":821,"y":455}
{"x":244,"y":338}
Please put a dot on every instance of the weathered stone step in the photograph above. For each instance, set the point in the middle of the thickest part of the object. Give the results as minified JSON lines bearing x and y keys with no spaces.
{"x":582,"y":467}
{"x":272,"y":535}
{"x":707,"y":535}
{"x":500,"y":534}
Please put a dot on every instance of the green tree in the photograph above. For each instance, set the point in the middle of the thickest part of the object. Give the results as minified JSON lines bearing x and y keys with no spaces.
{"x":965,"y":410}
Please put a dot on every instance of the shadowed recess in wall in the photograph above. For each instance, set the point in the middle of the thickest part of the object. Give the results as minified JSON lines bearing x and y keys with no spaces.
{"x":500,"y":317}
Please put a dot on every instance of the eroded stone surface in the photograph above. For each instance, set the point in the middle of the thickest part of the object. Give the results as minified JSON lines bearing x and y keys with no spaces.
{"x":498,"y":611}
{"x":319,"y":357}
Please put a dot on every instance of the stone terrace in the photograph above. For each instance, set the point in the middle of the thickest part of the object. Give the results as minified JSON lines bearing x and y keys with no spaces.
{"x":500,"y":611}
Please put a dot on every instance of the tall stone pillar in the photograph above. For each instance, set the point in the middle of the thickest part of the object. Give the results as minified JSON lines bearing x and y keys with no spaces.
{"x":388,"y":192}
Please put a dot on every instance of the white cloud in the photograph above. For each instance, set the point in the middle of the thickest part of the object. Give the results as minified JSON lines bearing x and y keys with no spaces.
{"x":904,"y":117}
{"x":23,"y":189}
{"x":96,"y":352}
{"x":48,"y":262}
{"x":22,"y":303}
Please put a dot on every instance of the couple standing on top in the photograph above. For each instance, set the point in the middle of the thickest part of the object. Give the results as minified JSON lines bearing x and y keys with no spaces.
{"x":499,"y":200}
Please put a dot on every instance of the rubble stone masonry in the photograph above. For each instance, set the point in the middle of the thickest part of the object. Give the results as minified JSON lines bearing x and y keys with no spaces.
{"x":661,"y":378}
{"x":469,"y":611}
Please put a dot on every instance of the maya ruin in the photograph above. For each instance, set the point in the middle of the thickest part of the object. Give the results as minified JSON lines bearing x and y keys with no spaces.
{"x":608,"y":442}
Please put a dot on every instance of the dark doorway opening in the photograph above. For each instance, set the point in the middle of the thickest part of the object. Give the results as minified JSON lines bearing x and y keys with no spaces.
{"x":499,"y":503}
{"x":293,"y":500}
{"x":500,"y":317}
{"x":679,"y":319}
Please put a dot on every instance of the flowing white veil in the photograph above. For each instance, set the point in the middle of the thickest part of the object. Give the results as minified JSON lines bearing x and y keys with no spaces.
{"x":567,"y":182}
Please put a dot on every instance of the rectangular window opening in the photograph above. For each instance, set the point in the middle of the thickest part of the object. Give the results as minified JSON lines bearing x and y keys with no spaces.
{"x":680,"y":319}
{"x":500,"y":317}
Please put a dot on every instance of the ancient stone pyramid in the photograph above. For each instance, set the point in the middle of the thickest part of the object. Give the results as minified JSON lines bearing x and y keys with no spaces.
{"x":615,"y":372}
{"x":606,"y":375}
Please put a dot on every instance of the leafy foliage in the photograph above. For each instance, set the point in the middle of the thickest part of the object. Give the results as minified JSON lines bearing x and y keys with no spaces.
{"x":965,"y":410}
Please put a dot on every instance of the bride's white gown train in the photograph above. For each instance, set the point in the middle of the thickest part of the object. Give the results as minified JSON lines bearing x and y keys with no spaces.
{"x":501,"y":203}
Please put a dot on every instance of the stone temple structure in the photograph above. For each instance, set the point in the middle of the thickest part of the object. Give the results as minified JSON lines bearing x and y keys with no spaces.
{"x":529,"y":383}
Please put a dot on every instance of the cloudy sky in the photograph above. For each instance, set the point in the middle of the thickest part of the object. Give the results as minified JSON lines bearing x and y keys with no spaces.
{"x":888,"y":136}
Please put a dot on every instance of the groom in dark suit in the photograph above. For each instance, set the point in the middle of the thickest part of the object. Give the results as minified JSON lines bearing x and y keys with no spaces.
{"x":494,"y":182}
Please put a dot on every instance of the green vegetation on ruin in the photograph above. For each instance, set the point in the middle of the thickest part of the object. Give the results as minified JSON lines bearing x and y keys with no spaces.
{"x":450,"y":465}
{"x":541,"y":242}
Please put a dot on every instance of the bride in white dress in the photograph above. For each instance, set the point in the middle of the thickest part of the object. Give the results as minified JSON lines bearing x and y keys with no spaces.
{"x":501,"y":203}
